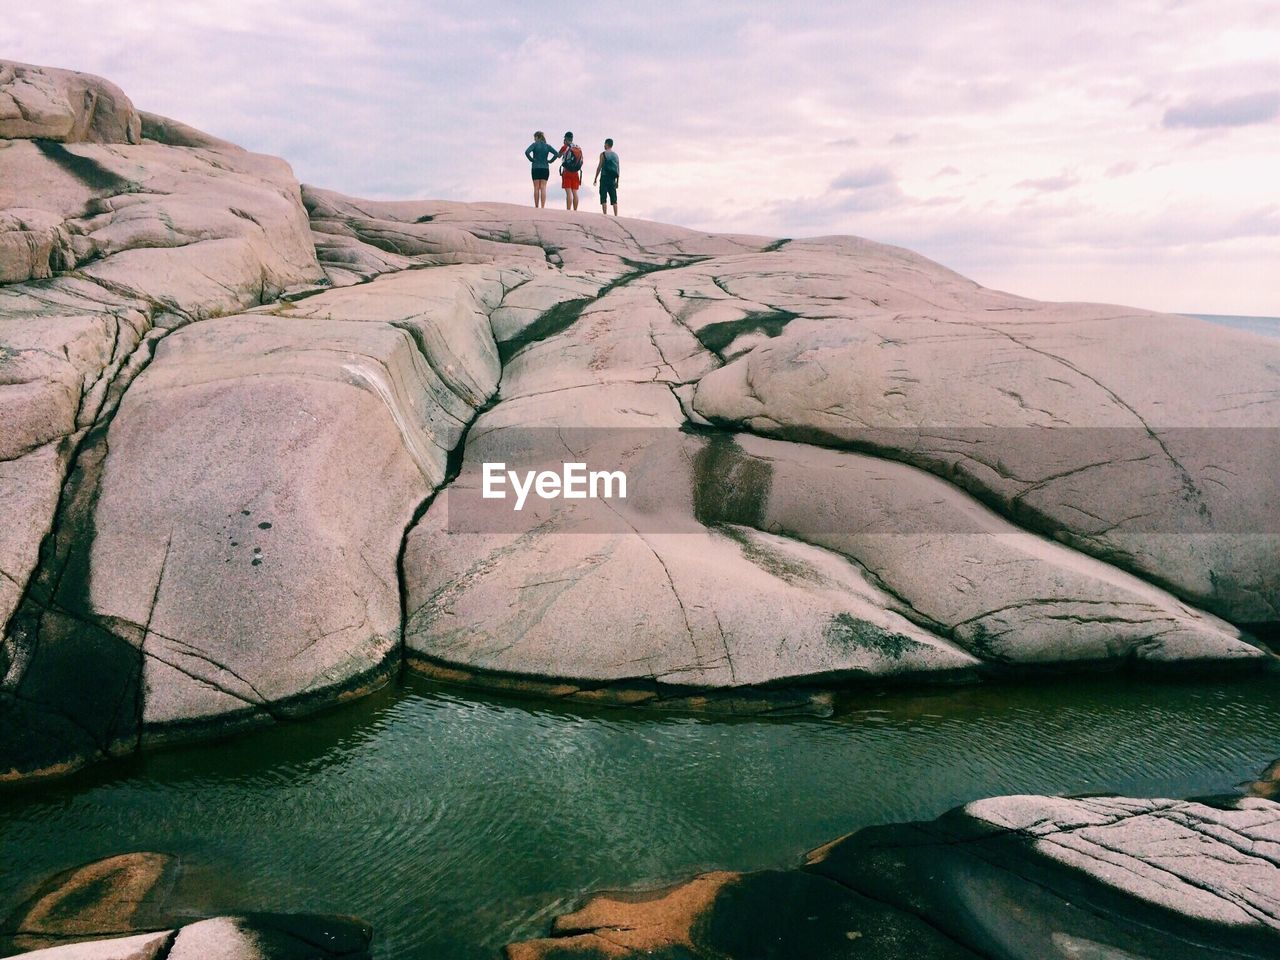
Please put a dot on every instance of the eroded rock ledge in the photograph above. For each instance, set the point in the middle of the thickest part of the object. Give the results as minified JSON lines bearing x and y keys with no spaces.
{"x":238,"y":414}
{"x":1041,"y":878}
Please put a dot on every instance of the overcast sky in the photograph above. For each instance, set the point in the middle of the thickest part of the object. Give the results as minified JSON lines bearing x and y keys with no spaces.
{"x":1117,"y":151}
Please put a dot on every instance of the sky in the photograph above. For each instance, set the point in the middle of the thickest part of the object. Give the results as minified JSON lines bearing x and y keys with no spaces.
{"x":1120,"y":152}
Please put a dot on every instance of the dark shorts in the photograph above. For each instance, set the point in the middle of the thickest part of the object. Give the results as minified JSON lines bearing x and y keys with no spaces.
{"x":608,"y":189}
{"x":541,"y":173}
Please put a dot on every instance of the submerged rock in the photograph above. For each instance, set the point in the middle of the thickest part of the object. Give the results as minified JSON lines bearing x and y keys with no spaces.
{"x":1268,"y":783}
{"x":116,"y":895}
{"x":117,"y":909}
{"x":1041,"y":878}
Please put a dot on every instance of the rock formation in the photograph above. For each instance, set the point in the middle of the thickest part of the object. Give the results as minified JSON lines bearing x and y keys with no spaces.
{"x":245,"y":422}
{"x":1041,"y":878}
{"x":64,"y":106}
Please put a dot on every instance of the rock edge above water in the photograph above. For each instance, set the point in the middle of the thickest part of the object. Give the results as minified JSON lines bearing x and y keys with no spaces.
{"x":1041,"y":878}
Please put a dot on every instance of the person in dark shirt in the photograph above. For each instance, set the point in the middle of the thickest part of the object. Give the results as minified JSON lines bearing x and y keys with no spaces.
{"x":540,"y":154}
{"x":611,"y":167}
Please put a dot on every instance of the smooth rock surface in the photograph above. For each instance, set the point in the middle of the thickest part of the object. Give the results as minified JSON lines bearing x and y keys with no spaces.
{"x":142,"y":946}
{"x":721,"y":529}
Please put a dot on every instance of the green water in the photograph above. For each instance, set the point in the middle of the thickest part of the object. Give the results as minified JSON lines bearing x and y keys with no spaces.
{"x":456,"y":823}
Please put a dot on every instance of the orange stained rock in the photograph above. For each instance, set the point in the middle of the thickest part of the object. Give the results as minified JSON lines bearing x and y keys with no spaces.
{"x":618,"y":926}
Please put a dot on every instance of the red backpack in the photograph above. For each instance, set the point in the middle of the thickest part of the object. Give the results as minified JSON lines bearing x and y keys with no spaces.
{"x":572,"y":160}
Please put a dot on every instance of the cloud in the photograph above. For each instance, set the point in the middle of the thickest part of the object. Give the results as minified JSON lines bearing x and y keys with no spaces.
{"x":863,"y":178}
{"x":947,"y":171}
{"x":1120,"y":169}
{"x":1201,"y":114}
{"x":845,"y":142}
{"x":1062,"y":181}
{"x":898,"y":139}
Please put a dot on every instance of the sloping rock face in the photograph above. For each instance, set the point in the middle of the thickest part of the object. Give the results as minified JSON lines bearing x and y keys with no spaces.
{"x":783,"y":561}
{"x":245,"y":425}
{"x":106,"y":247}
{"x":1041,"y":878}
{"x":1101,"y":426}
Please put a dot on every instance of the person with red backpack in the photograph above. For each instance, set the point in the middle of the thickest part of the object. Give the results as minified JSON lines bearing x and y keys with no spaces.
{"x":570,"y":171}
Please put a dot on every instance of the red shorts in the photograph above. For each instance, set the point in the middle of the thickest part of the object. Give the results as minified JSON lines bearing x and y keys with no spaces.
{"x":571,"y":181}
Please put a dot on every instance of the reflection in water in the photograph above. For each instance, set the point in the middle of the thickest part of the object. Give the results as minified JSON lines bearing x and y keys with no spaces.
{"x":458,"y":824}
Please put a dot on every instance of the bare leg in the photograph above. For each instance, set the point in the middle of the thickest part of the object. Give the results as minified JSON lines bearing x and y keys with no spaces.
{"x":615,"y":209}
{"x":568,"y":199}
{"x":575,"y":199}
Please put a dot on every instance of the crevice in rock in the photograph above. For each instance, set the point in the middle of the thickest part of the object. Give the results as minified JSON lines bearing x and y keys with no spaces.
{"x":166,"y":948}
{"x":1189,"y":487}
{"x":565,"y":313}
{"x":453,"y":467}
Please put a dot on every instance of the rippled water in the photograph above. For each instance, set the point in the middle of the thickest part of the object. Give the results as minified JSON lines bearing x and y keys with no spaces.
{"x":459,"y":823}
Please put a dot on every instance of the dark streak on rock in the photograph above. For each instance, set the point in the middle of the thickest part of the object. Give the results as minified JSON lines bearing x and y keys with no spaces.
{"x":85,"y":169}
{"x":79,"y":693}
{"x":729,"y":487}
{"x":717,"y":336}
{"x":848,"y":633}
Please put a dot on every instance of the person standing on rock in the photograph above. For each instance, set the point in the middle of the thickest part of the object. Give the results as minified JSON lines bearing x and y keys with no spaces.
{"x":540,"y":154}
{"x":570,"y":171}
{"x":611,"y":167}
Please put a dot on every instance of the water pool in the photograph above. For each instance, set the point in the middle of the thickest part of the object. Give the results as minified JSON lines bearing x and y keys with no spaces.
{"x":457,"y":822}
